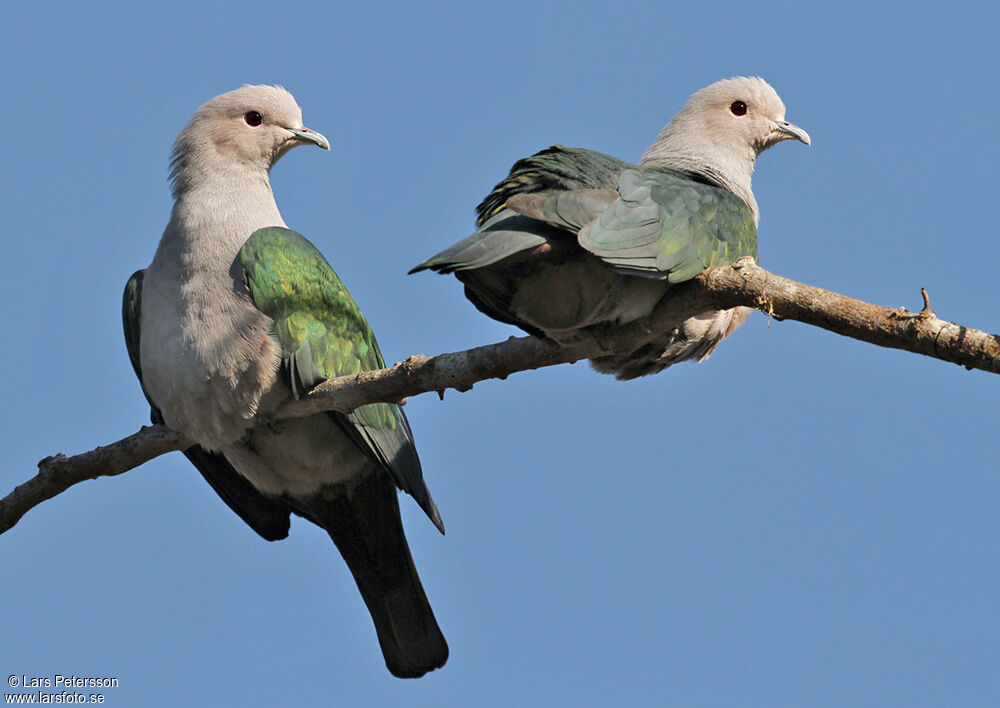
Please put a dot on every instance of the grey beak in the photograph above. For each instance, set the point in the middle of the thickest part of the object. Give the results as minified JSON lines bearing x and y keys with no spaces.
{"x":310,"y":136}
{"x":789,"y":130}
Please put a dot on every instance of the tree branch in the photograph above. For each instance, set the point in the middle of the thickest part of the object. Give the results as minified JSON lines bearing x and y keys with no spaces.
{"x":743,"y":284}
{"x":58,"y":473}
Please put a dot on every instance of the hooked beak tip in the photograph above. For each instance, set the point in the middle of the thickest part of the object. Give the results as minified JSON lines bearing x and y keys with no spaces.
{"x":790,"y":131}
{"x":310,"y":136}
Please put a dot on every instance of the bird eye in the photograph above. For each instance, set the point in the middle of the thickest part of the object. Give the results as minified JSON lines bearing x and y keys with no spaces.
{"x":253,"y":119}
{"x":738,"y":108}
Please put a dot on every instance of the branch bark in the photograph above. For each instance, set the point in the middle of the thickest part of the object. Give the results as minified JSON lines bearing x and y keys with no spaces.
{"x":743,"y":284}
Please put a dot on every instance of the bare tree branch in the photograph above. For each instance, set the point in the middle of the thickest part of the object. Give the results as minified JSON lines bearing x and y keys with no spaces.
{"x":744,"y":284}
{"x":58,"y":473}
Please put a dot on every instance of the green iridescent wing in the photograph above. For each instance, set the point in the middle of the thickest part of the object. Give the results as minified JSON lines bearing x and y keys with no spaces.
{"x":669,"y":226}
{"x":323,"y":335}
{"x":319,"y":326}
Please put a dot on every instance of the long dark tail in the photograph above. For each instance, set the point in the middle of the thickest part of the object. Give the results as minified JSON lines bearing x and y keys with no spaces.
{"x":365,"y":525}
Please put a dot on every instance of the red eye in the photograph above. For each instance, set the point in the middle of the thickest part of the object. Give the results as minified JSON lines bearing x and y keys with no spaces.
{"x":253,"y":119}
{"x":738,"y":108}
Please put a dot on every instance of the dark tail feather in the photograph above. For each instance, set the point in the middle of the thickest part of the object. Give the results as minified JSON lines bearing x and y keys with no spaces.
{"x":366,"y":527}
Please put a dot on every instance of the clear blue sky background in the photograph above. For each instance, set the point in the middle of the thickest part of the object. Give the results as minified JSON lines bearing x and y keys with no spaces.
{"x":802,"y":520}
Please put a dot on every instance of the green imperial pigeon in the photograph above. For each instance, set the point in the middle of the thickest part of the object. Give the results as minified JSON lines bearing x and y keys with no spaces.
{"x":235,"y":316}
{"x":574,"y":242}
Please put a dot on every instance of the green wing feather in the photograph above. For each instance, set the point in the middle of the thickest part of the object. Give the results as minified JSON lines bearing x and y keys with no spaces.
{"x":667,"y":225}
{"x":322,"y":335}
{"x":318,"y":324}
{"x":501,"y":233}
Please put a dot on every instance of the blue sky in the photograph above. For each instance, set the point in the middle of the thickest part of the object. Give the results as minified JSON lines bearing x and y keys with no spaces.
{"x":802,"y":520}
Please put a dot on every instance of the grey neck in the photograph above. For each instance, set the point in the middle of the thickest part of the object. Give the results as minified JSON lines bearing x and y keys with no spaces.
{"x":729,"y":165}
{"x":213,"y":218}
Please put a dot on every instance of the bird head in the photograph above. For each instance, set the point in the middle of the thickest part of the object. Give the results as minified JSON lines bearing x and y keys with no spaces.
{"x":252,"y":127}
{"x":721,"y":131}
{"x":739,"y":116}
{"x":744,"y":110}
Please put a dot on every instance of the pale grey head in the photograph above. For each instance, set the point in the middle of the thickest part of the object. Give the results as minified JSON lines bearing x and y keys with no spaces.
{"x":722,"y":129}
{"x":246,"y":129}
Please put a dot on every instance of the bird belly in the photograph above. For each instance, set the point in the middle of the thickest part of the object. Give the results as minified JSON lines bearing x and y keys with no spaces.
{"x":695,"y":339}
{"x":207,"y":364}
{"x":297,"y":456}
{"x":563,"y":299}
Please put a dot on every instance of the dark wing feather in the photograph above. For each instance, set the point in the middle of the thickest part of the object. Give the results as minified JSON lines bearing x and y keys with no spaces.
{"x":502,"y":236}
{"x":502,"y":233}
{"x":555,"y":169}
